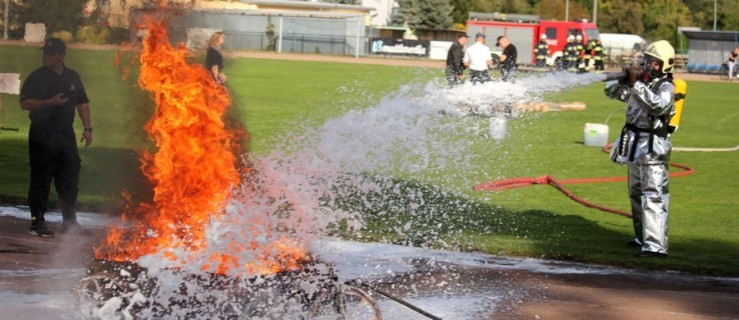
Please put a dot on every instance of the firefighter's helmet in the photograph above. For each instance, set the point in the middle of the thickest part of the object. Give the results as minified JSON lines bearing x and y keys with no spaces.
{"x":578,"y":38}
{"x":662,"y":51}
{"x":543,"y":37}
{"x":570,"y":38}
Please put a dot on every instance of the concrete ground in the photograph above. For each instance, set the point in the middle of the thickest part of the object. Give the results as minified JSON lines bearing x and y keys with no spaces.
{"x":527,"y":294}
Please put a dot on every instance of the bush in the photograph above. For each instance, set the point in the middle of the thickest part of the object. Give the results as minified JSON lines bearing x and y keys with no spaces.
{"x":66,"y":36}
{"x":93,"y":35}
{"x":119,"y":35}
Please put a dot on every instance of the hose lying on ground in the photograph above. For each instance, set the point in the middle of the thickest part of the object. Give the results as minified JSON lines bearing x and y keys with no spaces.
{"x":367,"y":286}
{"x":559,"y":184}
{"x":691,"y":149}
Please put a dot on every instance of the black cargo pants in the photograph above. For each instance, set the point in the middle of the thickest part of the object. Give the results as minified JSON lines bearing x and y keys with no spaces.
{"x":53,"y":155}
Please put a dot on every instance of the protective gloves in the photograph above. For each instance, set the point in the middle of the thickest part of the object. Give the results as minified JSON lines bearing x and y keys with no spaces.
{"x":632,"y":74}
{"x":616,"y":89}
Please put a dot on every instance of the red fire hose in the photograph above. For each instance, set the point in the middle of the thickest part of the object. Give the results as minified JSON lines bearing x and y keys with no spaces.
{"x":559,"y":184}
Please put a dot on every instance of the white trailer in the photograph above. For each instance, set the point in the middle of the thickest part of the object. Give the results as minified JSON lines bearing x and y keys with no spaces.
{"x":620,"y":44}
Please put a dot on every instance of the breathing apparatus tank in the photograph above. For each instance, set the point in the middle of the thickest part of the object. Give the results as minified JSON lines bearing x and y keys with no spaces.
{"x":681,"y":90}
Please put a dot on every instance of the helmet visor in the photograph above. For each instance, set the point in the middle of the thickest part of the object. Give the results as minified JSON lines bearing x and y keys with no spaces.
{"x":652,"y":63}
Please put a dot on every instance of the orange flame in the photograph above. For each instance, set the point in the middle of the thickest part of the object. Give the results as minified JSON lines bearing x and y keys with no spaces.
{"x":194,"y":170}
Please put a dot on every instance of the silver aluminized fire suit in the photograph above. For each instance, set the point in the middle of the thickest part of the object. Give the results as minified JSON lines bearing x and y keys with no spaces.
{"x":644,"y":145}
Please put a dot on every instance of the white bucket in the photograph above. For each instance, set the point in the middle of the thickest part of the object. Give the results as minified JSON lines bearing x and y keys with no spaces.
{"x":595,"y":134}
{"x":498,"y":127}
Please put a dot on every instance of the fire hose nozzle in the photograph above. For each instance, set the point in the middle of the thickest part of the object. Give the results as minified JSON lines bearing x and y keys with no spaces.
{"x":608,"y":76}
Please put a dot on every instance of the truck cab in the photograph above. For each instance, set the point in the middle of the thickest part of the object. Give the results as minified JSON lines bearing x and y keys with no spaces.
{"x":524,"y":31}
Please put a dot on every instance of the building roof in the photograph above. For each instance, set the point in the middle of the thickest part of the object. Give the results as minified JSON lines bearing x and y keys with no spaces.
{"x":286,"y":13}
{"x":732,"y":36}
{"x":309,"y":5}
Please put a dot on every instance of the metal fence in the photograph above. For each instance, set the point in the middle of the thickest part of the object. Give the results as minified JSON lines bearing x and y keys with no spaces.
{"x":336,"y":35}
{"x":296,"y":43}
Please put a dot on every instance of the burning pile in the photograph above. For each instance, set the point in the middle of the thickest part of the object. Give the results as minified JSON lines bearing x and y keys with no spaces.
{"x":195,"y":173}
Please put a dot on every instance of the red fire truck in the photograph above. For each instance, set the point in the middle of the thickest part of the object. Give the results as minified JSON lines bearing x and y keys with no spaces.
{"x":524,"y":31}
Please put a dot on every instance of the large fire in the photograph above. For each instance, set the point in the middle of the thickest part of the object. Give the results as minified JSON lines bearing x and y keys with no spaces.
{"x":194,"y":172}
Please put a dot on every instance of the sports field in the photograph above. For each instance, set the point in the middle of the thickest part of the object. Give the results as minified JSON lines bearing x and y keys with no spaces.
{"x":272,"y":96}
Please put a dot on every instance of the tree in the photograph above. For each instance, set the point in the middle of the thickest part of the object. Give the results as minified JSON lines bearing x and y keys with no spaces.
{"x":621,"y":16}
{"x":556,"y":10}
{"x":517,"y":6}
{"x":461,"y":11}
{"x":730,"y":15}
{"x":57,"y":15}
{"x":424,"y":14}
{"x":662,"y":18}
{"x":702,"y":13}
{"x":502,"y":6}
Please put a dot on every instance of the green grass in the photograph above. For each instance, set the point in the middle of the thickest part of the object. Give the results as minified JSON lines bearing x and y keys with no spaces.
{"x":703,"y":208}
{"x":271,"y":96}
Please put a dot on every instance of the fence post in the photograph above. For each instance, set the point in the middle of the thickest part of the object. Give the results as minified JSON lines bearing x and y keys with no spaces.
{"x":279,"y":38}
{"x":356,"y":48}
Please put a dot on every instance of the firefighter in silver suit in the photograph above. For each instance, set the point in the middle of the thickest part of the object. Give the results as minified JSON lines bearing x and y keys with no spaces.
{"x":644,"y":144}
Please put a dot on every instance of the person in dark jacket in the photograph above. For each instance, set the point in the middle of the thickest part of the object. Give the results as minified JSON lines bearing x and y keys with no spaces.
{"x":52,"y":94}
{"x":570,"y":54}
{"x":454,"y":65}
{"x":507,"y":58}
{"x":598,"y":55}
{"x":541,"y":51}
{"x":214,"y":58}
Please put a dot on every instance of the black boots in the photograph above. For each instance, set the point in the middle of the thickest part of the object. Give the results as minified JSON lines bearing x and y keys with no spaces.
{"x":39,"y":229}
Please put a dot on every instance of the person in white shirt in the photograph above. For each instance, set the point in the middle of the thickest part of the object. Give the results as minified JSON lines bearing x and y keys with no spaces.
{"x":478,"y":59}
{"x":732,"y":62}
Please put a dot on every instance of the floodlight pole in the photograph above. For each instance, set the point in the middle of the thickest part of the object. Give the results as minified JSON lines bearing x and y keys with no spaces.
{"x":595,"y":11}
{"x":567,"y":10}
{"x":715,"y":7}
{"x":5,"y":23}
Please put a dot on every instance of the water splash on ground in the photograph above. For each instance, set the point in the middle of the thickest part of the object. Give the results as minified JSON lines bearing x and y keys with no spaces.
{"x":385,"y":165}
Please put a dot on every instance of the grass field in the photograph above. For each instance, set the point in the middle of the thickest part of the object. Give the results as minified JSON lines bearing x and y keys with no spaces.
{"x":270,"y":96}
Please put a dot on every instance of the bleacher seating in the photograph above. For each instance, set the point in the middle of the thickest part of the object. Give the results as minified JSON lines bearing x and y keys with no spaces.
{"x":692,"y":67}
{"x":713,"y":68}
{"x":681,"y":61}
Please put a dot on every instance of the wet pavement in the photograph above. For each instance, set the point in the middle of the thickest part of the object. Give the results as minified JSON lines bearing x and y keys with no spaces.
{"x":38,"y":276}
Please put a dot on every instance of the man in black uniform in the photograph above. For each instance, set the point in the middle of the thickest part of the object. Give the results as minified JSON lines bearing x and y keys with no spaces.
{"x":52,"y":94}
{"x":454,"y":66}
{"x":598,"y":55}
{"x":571,"y":54}
{"x":541,"y":51}
{"x":507,"y":58}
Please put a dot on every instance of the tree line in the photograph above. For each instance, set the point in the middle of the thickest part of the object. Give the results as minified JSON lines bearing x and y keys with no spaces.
{"x":652,"y":19}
